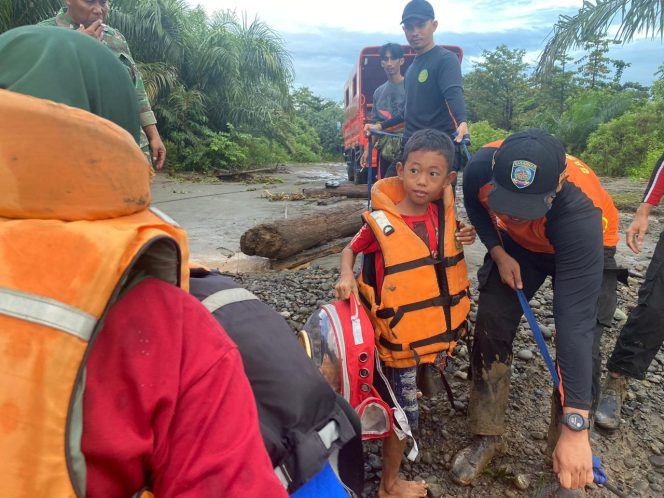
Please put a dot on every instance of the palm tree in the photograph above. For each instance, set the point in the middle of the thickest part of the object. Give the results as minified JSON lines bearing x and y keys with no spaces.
{"x":634,"y":16}
{"x":14,"y":13}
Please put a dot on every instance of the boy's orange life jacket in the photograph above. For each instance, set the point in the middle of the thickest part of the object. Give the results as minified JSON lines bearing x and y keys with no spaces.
{"x":423,"y":304}
{"x":75,"y":229}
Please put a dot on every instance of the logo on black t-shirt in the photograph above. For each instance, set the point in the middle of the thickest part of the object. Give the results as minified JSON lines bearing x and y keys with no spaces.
{"x":423,"y":76}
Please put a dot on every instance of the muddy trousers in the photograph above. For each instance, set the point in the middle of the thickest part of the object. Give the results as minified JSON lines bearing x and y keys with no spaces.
{"x":643,"y":333}
{"x":497,"y":322}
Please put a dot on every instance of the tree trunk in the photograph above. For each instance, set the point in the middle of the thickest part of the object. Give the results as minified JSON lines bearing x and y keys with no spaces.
{"x":283,"y":238}
{"x":350,"y":191}
{"x":334,"y":247}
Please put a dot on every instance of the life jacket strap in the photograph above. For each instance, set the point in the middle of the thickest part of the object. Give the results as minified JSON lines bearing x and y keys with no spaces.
{"x":399,"y":313}
{"x":410,"y":265}
{"x":444,"y":337}
{"x":453,"y":260}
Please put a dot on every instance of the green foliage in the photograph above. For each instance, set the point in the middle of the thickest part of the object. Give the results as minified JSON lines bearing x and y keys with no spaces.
{"x":495,"y":89}
{"x":482,"y":133}
{"x":322,"y":115}
{"x":14,"y":13}
{"x":629,"y":144}
{"x":587,"y":111}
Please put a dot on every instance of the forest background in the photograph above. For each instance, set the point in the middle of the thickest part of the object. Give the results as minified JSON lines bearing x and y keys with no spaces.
{"x":222,"y":89}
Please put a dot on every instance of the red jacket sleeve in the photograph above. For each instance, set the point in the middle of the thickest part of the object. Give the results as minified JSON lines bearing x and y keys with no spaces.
{"x":655,"y":188}
{"x":167,"y":404}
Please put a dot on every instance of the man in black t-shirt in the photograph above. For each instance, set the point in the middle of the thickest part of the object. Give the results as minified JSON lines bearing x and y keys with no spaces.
{"x":434,"y":86}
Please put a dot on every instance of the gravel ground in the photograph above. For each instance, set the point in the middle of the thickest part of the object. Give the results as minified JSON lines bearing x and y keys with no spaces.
{"x":633,"y":458}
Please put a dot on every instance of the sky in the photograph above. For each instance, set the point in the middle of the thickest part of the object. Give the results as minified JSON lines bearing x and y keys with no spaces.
{"x":325,"y":37}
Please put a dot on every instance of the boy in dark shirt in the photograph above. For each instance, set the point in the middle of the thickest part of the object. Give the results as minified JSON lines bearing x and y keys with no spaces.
{"x":388,"y":104}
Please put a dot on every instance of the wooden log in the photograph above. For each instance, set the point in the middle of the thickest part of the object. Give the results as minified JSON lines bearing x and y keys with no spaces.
{"x":350,"y":191}
{"x":224,"y":174}
{"x":283,"y":238}
{"x":333,"y":247}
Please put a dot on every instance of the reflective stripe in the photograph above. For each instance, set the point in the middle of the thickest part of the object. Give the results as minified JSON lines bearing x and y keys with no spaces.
{"x":225,"y":297}
{"x":282,"y":475}
{"x":164,"y":216}
{"x":383,"y":222}
{"x":48,"y":312}
{"x":328,"y":435}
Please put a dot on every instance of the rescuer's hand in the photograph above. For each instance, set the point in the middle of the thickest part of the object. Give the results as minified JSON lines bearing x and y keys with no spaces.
{"x":364,"y":158}
{"x":572,"y":459}
{"x":369,"y":127}
{"x":466,"y":234}
{"x":345,"y":286}
{"x":509,"y":269}
{"x":461,"y":131}
{"x":638,"y":228}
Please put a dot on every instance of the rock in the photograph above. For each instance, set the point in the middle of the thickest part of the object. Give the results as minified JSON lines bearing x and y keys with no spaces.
{"x":657,"y":460}
{"x":525,"y":355}
{"x":435,"y":490}
{"x":535,"y":304}
{"x":620,"y":315}
{"x":460,"y":374}
{"x":658,"y":488}
{"x":521,"y":481}
{"x":547,"y":332}
{"x":426,"y":457}
{"x":510,"y":493}
{"x":285,"y":314}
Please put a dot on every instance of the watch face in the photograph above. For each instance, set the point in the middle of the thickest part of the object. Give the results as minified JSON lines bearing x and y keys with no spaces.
{"x":575,"y":421}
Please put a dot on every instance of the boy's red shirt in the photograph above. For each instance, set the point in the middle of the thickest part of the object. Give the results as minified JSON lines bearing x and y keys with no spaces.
{"x":167,"y":402}
{"x":425,"y":226}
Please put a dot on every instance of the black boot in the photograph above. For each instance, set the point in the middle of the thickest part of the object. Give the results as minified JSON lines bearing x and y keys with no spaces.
{"x":470,"y":462}
{"x":613,"y":394}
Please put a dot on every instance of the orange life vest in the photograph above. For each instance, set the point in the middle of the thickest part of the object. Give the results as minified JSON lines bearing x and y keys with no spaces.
{"x":415,"y":317}
{"x":75,"y":227}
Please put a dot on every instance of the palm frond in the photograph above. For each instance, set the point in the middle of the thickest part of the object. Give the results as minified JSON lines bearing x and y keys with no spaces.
{"x":595,"y":18}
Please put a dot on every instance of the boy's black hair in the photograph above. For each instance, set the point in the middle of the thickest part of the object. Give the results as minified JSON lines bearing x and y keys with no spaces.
{"x":394,"y":49}
{"x":430,"y":140}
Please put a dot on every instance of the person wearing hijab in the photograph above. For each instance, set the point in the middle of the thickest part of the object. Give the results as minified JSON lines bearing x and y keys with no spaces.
{"x":87,"y":16}
{"x":166,"y":404}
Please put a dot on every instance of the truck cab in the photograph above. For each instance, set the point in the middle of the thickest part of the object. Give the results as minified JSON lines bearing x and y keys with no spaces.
{"x":366,"y":76}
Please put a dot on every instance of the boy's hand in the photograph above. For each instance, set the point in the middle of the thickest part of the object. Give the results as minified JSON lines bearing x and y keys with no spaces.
{"x":345,"y":286}
{"x":466,"y":234}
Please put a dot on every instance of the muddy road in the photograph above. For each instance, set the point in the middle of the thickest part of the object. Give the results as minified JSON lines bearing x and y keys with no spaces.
{"x":215,"y":214}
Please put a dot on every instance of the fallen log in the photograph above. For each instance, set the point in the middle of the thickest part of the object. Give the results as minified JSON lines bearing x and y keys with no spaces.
{"x":333,"y":247}
{"x":350,"y":191}
{"x":284,"y":238}
{"x":223,"y":174}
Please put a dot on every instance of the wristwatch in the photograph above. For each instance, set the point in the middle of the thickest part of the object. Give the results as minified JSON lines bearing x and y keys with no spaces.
{"x":576,"y":422}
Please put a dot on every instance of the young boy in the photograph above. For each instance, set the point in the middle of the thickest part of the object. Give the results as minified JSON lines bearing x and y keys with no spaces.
{"x":414,"y":280}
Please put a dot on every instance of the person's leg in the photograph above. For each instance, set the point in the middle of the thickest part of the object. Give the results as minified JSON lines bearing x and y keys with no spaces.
{"x":497,"y":321}
{"x":639,"y":341}
{"x":606,"y":308}
{"x":403,"y":383}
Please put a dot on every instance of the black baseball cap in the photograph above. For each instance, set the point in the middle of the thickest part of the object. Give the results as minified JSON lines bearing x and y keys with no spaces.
{"x":417,"y":10}
{"x":527,"y":169}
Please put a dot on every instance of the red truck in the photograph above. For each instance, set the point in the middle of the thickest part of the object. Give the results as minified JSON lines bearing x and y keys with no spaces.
{"x":366,"y":76}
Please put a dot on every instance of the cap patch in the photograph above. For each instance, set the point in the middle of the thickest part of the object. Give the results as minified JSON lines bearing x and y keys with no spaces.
{"x":523,"y":173}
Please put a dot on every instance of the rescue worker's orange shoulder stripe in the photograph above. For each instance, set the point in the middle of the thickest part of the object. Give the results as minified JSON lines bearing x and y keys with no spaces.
{"x":581,"y":175}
